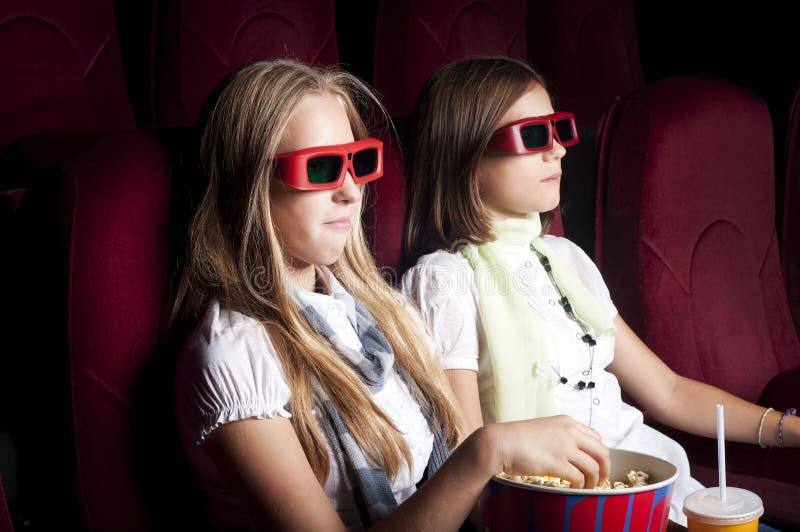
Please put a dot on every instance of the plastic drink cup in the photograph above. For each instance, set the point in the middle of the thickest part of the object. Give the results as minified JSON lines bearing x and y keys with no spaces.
{"x":706,"y":512}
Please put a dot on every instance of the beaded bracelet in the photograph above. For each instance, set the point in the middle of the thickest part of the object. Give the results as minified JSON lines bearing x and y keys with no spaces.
{"x":761,"y":426}
{"x":789,"y":412}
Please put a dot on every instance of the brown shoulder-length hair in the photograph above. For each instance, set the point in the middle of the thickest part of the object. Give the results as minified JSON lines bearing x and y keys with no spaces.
{"x":233,"y":256}
{"x":459,"y":108}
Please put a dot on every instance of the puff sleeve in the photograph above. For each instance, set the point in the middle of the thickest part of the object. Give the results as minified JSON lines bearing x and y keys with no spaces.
{"x":442,"y":286}
{"x":227,"y":371}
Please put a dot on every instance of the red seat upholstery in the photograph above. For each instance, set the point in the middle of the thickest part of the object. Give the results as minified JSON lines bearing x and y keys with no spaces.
{"x":199,"y":43}
{"x":384,"y":213}
{"x":414,"y":37}
{"x":688,"y":247}
{"x":61,"y":69}
{"x":791,"y":214}
{"x":589,"y":50}
{"x":95,"y":272}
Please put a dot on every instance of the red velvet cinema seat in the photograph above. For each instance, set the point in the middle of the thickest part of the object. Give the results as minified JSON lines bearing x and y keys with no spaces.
{"x":61,"y":69}
{"x":590,"y":52}
{"x":588,"y":49}
{"x":791,"y":214}
{"x":199,"y":43}
{"x":94,"y":428}
{"x":687,"y":243}
{"x":414,"y":37}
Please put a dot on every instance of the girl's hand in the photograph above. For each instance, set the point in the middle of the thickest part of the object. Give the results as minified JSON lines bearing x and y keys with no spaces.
{"x":557,"y":446}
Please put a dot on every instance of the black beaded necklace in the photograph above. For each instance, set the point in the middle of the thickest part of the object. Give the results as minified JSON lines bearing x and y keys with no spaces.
{"x":586,"y":338}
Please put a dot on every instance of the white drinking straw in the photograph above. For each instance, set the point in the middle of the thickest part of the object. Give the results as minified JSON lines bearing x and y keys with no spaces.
{"x":721,"y":454}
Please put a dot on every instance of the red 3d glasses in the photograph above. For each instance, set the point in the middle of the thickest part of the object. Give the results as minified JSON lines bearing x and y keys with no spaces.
{"x":535,"y":134}
{"x":325,"y":167}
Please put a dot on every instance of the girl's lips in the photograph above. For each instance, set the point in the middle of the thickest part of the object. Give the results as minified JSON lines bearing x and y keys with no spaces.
{"x":340,"y":223}
{"x":555,"y":178}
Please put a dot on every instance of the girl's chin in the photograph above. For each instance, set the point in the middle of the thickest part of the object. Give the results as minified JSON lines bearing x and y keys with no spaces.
{"x":331,"y":258}
{"x":549,"y":206}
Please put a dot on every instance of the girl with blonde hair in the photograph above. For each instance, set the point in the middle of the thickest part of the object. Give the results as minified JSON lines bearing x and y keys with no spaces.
{"x":306,"y":392}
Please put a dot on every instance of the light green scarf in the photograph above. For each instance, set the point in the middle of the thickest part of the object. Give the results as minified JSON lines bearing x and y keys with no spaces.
{"x":523,"y":379}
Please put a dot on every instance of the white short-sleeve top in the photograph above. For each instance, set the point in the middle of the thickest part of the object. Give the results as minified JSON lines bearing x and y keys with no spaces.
{"x":443,"y":285}
{"x":228,"y":371}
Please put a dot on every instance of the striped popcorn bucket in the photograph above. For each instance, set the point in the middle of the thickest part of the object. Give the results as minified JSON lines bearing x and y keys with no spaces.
{"x":508,"y":505}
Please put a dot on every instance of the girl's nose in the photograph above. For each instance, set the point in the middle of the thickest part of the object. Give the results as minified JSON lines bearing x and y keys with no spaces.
{"x":349,"y":192}
{"x":556,"y":152}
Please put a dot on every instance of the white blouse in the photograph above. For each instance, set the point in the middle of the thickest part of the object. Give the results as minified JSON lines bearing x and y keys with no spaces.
{"x":443,"y":286}
{"x":229,"y":371}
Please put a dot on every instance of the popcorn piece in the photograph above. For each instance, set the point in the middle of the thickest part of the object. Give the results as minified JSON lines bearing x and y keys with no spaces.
{"x":539,"y":480}
{"x":635,"y":479}
{"x":638,"y":478}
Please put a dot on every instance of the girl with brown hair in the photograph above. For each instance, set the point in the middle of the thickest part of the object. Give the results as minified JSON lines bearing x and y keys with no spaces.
{"x":525,"y":322}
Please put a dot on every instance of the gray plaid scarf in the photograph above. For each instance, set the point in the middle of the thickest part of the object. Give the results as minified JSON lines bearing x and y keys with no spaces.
{"x":368,"y":483}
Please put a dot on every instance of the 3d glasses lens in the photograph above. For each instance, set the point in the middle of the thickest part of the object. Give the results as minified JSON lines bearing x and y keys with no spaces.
{"x":365,"y":162}
{"x":535,"y":136}
{"x":564,"y":130}
{"x":324,"y":169}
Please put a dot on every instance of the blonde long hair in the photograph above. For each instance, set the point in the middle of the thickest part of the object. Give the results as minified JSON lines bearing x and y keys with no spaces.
{"x":233,"y":255}
{"x":459,"y":108}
